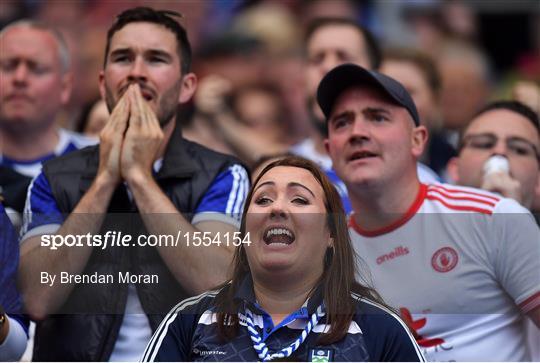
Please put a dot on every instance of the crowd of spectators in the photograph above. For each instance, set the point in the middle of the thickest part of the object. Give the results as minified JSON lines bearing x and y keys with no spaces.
{"x":472,"y":69}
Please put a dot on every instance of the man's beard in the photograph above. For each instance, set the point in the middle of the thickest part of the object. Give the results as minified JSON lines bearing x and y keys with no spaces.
{"x":167,"y":106}
{"x":318,"y":123}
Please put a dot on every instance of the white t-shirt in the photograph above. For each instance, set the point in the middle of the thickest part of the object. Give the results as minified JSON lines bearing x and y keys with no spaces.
{"x":533,"y":340}
{"x":462,"y":266}
{"x":135,"y":331}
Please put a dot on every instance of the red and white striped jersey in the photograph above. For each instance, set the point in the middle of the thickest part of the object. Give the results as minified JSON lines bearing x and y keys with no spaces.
{"x":462,"y":266}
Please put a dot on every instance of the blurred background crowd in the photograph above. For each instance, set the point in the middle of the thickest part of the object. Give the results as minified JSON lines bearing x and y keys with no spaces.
{"x":249,"y":57}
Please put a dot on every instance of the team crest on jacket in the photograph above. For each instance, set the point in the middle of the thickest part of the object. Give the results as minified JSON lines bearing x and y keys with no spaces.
{"x":321,"y":355}
{"x":444,"y":259}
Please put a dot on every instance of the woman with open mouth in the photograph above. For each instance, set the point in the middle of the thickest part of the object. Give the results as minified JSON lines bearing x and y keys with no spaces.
{"x":292,"y":294}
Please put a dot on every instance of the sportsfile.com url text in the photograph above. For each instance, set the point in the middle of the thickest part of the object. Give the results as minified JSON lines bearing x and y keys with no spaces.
{"x":119,"y":239}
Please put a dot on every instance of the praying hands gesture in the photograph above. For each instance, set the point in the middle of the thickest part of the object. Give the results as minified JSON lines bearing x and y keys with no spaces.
{"x":130,"y":141}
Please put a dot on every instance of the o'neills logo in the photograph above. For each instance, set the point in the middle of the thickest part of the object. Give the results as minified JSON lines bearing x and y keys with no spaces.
{"x":444,"y":259}
{"x":397,"y":252}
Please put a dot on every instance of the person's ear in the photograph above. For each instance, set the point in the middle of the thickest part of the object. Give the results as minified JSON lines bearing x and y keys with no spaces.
{"x":419,"y":139}
{"x":537,"y":188}
{"x":327,"y":146}
{"x":67,"y":87}
{"x":188,"y":87}
{"x":331,"y":243}
{"x":102,"y":84}
{"x":452,"y":168}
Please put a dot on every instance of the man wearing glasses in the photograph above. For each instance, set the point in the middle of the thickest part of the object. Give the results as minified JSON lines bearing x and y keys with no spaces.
{"x":508,"y":129}
{"x":511,"y":130}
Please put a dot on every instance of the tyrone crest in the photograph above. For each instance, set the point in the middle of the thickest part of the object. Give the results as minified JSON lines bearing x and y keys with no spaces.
{"x":444,"y":259}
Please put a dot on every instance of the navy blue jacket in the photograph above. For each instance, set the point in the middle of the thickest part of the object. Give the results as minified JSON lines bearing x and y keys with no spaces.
{"x":189,"y":333}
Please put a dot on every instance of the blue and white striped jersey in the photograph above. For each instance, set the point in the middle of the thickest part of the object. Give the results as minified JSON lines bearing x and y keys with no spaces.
{"x":68,"y":141}
{"x":223,"y":201}
{"x":16,"y":175}
{"x":189,"y":333}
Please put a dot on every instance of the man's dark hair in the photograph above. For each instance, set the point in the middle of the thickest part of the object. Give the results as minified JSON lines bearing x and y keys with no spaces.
{"x":373,"y":49}
{"x":161,"y":17}
{"x":514,"y":106}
